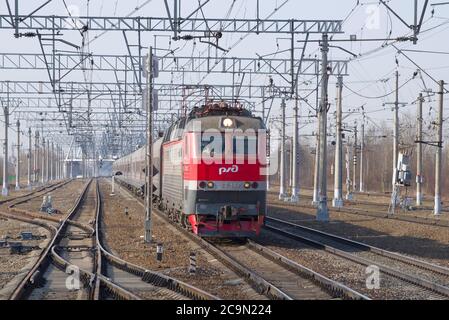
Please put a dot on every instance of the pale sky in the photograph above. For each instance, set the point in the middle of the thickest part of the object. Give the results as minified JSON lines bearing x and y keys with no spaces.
{"x":371,"y":74}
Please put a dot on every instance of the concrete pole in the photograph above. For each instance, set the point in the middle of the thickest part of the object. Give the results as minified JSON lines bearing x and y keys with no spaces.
{"x":43,"y":160}
{"x":47,"y":162}
{"x":395,"y":132}
{"x":52,"y":162}
{"x":349,"y":195}
{"x":5,"y":189}
{"x":36,"y":157}
{"x":354,"y":162}
{"x":362,"y":153}
{"x":282,"y":180}
{"x":18,"y":157}
{"x":83,"y":165}
{"x":30,"y":157}
{"x":315,"y":168}
{"x":419,"y":156}
{"x":322,"y":213}
{"x":149,"y":150}
{"x":338,"y":165}
{"x":438,"y":160}
{"x":60,"y":171}
{"x":71,"y":164}
{"x":295,"y":150}
{"x":57,"y":163}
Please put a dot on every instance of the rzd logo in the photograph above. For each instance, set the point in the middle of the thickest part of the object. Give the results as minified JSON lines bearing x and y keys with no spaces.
{"x":232,"y":169}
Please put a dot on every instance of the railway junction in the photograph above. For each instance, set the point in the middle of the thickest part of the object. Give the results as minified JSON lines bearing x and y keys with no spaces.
{"x":237,"y":150}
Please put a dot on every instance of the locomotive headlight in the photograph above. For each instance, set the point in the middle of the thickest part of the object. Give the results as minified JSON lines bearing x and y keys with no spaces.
{"x":202,"y":184}
{"x":227,"y":122}
{"x":247,"y":185}
{"x":210,"y":184}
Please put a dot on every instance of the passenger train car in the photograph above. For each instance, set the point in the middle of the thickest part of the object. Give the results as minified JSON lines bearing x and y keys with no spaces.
{"x":209,"y":171}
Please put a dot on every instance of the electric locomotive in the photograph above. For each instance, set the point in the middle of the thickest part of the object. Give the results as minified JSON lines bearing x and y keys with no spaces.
{"x":209,"y":171}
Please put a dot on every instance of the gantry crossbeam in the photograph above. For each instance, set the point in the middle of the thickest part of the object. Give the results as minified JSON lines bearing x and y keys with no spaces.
{"x":122,"y":63}
{"x":162,"y":24}
{"x":20,"y":88}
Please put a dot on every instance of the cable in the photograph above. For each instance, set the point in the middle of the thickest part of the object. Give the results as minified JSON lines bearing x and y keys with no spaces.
{"x":377,"y":97}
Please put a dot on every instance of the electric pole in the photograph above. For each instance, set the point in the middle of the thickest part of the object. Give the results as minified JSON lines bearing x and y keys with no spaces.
{"x":338,"y":170}
{"x":362,"y":152}
{"x":282,"y":180}
{"x":47,"y":162}
{"x":395,"y":134}
{"x":322,"y":210}
{"x":295,"y":150}
{"x":5,"y":189}
{"x":18,"y":157}
{"x":354,"y":163}
{"x":30,"y":147}
{"x":149,"y":149}
{"x":316,"y":166}
{"x":295,"y":143}
{"x":438,"y":160}
{"x":419,"y":156}
{"x":36,"y":157}
{"x":43,"y":160}
{"x":52,"y":162}
{"x":348,"y":173}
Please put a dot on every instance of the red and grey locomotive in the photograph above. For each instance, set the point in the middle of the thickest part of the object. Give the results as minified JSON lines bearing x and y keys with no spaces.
{"x":209,"y":171}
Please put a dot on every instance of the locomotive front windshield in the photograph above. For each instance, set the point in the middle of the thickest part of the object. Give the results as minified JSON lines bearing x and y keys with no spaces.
{"x":215,"y":145}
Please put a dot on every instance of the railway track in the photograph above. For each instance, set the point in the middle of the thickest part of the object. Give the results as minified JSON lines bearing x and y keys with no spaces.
{"x":420,"y":274}
{"x":144,"y":283}
{"x":47,"y":279}
{"x":372,"y":213}
{"x":44,"y":266}
{"x":35,"y":193}
{"x":269,"y":273}
{"x":76,"y":247}
{"x":281,"y":278}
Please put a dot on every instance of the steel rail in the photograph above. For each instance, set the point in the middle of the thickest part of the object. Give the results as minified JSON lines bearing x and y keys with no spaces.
{"x":332,"y":286}
{"x":424,"y":283}
{"x":152,"y":277}
{"x":372,"y":213}
{"x":257,"y":282}
{"x":43,"y":261}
